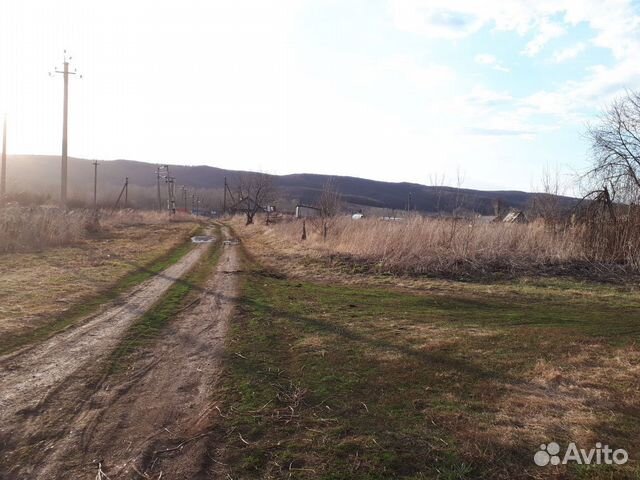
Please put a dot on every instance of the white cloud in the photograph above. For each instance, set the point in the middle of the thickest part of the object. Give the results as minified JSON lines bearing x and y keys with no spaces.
{"x":480,"y":95}
{"x":568,"y":53}
{"x":491,"y":61}
{"x":460,"y":18}
{"x":434,"y":19}
{"x":614,"y":21}
{"x":426,"y":76}
{"x":546,"y":31}
{"x":615,"y":24}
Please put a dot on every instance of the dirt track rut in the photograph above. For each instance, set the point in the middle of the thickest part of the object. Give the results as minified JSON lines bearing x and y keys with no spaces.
{"x":58,"y":415}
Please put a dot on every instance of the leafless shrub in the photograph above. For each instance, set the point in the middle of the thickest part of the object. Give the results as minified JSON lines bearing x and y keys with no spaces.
{"x":547,"y":203}
{"x":609,"y":232}
{"x":610,"y":221}
{"x":255,"y":192}
{"x":330,"y":203}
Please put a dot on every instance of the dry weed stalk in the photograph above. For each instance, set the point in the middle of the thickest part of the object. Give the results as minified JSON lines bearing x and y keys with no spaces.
{"x":33,"y":228}
{"x":419,"y":245}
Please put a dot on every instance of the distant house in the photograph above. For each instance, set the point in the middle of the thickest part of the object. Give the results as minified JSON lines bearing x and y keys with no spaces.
{"x":357,"y":216}
{"x":306,"y":211}
{"x":515,"y":217}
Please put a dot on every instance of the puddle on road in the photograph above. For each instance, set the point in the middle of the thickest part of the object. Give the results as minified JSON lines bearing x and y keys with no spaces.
{"x":202,"y":239}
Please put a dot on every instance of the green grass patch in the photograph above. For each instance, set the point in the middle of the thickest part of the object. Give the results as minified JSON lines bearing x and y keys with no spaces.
{"x":90,"y":305}
{"x":343,"y":382}
{"x":179,"y":295}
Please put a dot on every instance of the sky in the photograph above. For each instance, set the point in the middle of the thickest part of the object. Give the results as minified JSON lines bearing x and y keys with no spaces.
{"x":486,"y":94}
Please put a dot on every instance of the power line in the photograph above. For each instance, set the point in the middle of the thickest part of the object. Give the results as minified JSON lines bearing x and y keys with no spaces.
{"x":65,"y":117}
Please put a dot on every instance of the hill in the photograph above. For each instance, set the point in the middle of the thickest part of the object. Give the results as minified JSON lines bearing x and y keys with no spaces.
{"x":40,"y":174}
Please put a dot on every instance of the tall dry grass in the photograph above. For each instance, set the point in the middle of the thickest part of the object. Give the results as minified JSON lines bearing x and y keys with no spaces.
{"x":421,"y":245}
{"x":116,"y":218}
{"x":25,"y":228}
{"x":32,"y":228}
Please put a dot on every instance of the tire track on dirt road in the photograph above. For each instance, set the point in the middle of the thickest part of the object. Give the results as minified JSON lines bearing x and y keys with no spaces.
{"x":26,"y":377}
{"x":153,"y":418}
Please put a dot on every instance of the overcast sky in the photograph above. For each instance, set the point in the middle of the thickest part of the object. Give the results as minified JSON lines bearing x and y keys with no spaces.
{"x":398,"y":90}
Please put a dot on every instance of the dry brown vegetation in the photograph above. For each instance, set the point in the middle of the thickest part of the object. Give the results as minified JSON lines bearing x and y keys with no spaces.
{"x":422,"y":377}
{"x":418,"y":377}
{"x":37,"y":287}
{"x":37,"y":227}
{"x":32,"y":228}
{"x":460,"y":248}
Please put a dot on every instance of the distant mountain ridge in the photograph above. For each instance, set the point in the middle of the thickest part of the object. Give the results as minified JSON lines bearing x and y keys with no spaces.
{"x":41,"y":173}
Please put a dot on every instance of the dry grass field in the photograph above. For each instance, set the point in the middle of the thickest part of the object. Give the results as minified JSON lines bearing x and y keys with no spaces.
{"x":460,"y":249}
{"x":46,"y":288}
{"x":342,"y":373}
{"x":345,"y":358}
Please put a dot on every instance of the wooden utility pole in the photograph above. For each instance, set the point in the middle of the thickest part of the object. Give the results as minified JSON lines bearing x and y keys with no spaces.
{"x":125,"y":191}
{"x":3,"y":172}
{"x":224,"y":198}
{"x":171,"y":202}
{"x":65,"y":116}
{"x":95,"y":184}
{"x":158,"y":179}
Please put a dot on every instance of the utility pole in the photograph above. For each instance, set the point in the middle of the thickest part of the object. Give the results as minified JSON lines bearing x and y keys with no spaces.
{"x":125,"y":191}
{"x":95,"y":184}
{"x":158,"y":179}
{"x":224,"y":201}
{"x":184,"y":197}
{"x":3,"y":173}
{"x":65,"y":116}
{"x":171,"y":203}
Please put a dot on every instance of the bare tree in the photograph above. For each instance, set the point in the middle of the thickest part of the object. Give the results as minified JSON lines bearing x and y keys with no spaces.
{"x":547,"y":203}
{"x":615,"y":143}
{"x":329,"y":204}
{"x":437,"y":183}
{"x":256,"y":192}
{"x":460,"y":196}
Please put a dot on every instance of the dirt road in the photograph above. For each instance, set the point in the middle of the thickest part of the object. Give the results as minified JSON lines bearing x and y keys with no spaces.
{"x":61,"y":418}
